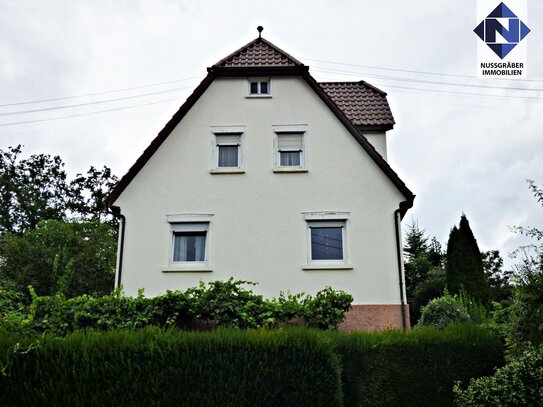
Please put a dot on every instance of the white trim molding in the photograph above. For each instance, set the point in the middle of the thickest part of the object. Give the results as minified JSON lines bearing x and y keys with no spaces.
{"x":189,"y":218}
{"x":227,"y":129}
{"x":326,"y":215}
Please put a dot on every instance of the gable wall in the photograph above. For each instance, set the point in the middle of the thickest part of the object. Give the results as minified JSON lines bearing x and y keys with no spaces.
{"x":258,"y":232}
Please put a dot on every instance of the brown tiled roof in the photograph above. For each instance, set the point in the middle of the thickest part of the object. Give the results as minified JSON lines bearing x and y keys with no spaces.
{"x":363,"y":104}
{"x":258,"y":53}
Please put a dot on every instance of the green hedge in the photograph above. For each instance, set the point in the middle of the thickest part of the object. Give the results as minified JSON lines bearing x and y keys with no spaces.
{"x":289,"y":367}
{"x":418,"y":368}
{"x":215,"y":304}
{"x":173,"y":368}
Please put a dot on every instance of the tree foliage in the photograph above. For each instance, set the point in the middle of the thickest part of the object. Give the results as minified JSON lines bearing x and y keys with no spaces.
{"x":465,"y":264}
{"x":37,"y":188}
{"x":421,"y":254}
{"x":519,"y":383}
{"x":500,"y":282}
{"x":527,"y":308}
{"x":424,"y":276}
{"x":52,"y":230}
{"x":71,"y":258}
{"x":532,"y":231}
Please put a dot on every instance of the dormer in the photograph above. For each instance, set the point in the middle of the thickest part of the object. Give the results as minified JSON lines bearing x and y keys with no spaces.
{"x":366,"y":107}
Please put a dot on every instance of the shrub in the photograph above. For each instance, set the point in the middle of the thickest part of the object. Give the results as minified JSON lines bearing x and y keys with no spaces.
{"x":432,"y":287}
{"x":228,"y":304}
{"x":10,"y":301}
{"x":217,"y":304}
{"x":417,"y":368}
{"x":444,"y":311}
{"x":527,"y":321}
{"x":153,"y":367}
{"x":519,"y":383}
{"x":327,"y":309}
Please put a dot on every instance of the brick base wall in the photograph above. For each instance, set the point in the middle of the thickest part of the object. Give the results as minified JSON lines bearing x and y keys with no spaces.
{"x":372,"y":317}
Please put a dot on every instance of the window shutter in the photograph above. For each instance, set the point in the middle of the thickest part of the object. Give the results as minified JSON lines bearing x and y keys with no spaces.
{"x":289,"y":142}
{"x":228,"y":139}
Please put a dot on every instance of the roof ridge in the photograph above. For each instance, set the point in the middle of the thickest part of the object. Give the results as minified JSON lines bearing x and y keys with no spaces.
{"x":338,"y":82}
{"x":369,"y":85}
{"x":360,"y":82}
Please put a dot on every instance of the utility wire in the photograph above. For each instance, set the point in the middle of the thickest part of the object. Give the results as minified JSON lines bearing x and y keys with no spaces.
{"x":45,"y":109}
{"x":392,"y":69}
{"x":86,"y":114}
{"x":395,"y":78}
{"x":418,"y":72}
{"x":462,"y":93}
{"x":445,"y":91}
{"x":99,"y":93}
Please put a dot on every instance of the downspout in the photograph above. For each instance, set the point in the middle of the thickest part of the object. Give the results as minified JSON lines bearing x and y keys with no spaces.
{"x":116,"y":211}
{"x":397,"y":227}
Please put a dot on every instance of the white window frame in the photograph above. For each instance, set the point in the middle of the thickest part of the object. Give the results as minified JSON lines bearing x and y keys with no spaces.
{"x":188,"y":223}
{"x":259,"y":93}
{"x":233,"y":131}
{"x":280,"y":130}
{"x":332,"y":220}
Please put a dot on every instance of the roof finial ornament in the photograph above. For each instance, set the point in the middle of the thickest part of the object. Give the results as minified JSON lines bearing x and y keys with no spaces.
{"x":259,"y":29}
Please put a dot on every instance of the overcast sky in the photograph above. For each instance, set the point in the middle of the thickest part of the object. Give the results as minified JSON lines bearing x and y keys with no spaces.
{"x":461,"y":144}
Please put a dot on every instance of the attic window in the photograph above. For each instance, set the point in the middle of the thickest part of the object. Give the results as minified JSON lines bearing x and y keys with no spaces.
{"x":227,"y":149}
{"x":289,"y":145}
{"x":259,"y":87}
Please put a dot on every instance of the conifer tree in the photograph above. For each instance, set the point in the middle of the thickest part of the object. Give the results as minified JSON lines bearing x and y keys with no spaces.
{"x":465,"y":264}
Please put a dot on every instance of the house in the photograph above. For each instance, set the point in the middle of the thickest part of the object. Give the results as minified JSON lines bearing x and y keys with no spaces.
{"x":268,"y":176}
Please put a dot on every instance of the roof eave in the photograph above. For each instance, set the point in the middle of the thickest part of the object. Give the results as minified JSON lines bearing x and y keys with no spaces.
{"x":375,"y":127}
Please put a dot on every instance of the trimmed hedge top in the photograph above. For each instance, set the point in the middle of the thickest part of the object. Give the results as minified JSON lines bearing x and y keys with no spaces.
{"x":286,"y":367}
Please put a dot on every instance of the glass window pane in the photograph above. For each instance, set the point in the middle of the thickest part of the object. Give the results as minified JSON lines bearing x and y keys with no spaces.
{"x":264,"y":88}
{"x":326,"y":243}
{"x":254,"y":88}
{"x":290,"y":158}
{"x":228,"y":156}
{"x":189,"y":246}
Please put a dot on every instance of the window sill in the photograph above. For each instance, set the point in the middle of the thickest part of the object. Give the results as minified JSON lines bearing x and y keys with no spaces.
{"x":258,"y":96}
{"x":187,"y":270}
{"x":285,"y":169}
{"x":227,"y":171}
{"x":328,"y":267}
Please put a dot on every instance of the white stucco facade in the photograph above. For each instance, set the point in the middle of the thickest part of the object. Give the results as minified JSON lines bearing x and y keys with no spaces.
{"x":257,"y":218}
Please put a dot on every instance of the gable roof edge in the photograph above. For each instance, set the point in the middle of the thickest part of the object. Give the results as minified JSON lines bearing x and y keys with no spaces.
{"x":366,"y":145}
{"x":202,"y":87}
{"x":159,"y":139}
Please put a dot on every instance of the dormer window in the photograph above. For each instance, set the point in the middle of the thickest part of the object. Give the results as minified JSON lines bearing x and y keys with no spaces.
{"x":259,"y":87}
